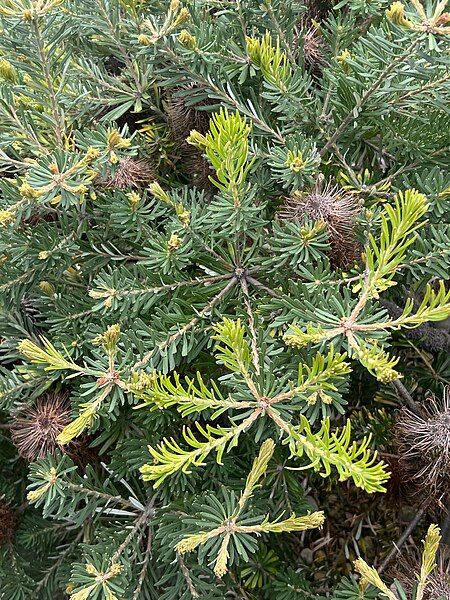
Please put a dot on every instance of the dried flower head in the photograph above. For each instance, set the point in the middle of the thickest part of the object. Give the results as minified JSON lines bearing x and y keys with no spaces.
{"x":130,"y":173}
{"x":400,"y":490}
{"x":424,"y":442}
{"x":8,"y":522}
{"x":35,"y":428}
{"x":184,"y":117}
{"x":317,"y":9}
{"x":313,"y":49}
{"x":197,"y":168}
{"x":337,"y":209}
{"x":439,"y":582}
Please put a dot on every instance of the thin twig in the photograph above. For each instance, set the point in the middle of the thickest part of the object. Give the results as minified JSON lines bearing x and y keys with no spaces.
{"x":143,"y":572}
{"x":188,"y":579}
{"x":188,"y":326}
{"x":58,"y":118}
{"x":58,"y":562}
{"x":262,"y":286}
{"x":251,"y":325}
{"x":147,"y":513}
{"x":445,"y":529}
{"x":403,"y":393}
{"x":405,"y":535}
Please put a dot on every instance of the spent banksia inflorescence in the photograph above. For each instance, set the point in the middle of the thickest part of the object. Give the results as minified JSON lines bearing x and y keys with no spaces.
{"x":8,"y":522}
{"x":439,"y":583}
{"x":424,"y":442}
{"x":182,"y":118}
{"x":337,"y":209}
{"x":130,"y":173}
{"x":400,"y":489}
{"x":313,"y":50}
{"x":35,"y":429}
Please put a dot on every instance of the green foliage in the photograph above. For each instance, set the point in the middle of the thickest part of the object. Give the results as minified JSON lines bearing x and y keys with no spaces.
{"x":150,"y":279}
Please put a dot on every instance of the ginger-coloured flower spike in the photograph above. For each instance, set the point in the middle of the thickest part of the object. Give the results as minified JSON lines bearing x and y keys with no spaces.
{"x":7,"y":71}
{"x":410,"y":569}
{"x":6,"y":217}
{"x":396,"y":14}
{"x":186,"y":39}
{"x":369,"y":575}
{"x":428,"y":565}
{"x":35,"y":429}
{"x":109,"y":338}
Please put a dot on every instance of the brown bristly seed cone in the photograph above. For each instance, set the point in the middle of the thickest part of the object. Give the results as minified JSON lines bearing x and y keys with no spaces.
{"x":400,"y":490}
{"x":424,"y":444}
{"x":130,"y":173}
{"x":35,"y":429}
{"x":312,"y":49}
{"x":337,"y":209}
{"x":182,"y":119}
{"x":8,"y":522}
{"x":317,"y":9}
{"x":81,"y":453}
{"x":197,"y":168}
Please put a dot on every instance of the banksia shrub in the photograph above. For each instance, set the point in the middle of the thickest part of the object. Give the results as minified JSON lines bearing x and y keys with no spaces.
{"x":224,"y":232}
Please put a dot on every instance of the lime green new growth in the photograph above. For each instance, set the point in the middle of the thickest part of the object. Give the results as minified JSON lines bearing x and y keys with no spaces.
{"x":323,"y":449}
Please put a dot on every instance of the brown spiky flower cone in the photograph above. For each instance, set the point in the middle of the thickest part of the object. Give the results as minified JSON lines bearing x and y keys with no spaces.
{"x":313,"y":50}
{"x":130,"y":173}
{"x":35,"y":429}
{"x":182,"y":118}
{"x":317,"y":9}
{"x":337,"y":209}
{"x":424,"y":443}
{"x":8,"y":522}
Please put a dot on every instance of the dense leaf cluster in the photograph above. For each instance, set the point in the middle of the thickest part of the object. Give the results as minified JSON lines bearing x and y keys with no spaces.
{"x":224,"y":246}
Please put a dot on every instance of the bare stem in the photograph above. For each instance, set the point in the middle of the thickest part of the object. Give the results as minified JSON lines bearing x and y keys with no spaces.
{"x":405,"y":535}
